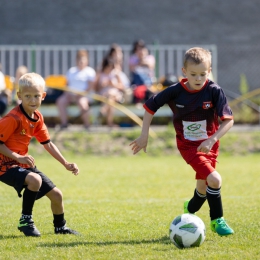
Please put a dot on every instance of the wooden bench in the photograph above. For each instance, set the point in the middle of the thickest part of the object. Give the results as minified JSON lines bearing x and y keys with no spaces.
{"x":51,"y":114}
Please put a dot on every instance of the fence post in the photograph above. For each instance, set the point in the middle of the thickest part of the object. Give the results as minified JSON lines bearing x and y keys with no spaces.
{"x":33,"y":58}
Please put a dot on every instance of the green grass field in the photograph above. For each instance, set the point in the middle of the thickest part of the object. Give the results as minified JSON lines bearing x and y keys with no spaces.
{"x":123,"y":207}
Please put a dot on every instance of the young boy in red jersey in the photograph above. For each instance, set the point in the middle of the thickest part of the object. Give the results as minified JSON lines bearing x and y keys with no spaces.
{"x":197,"y":103}
{"x":17,"y":167}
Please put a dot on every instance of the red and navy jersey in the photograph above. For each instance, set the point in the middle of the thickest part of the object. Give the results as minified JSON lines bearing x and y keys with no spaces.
{"x":16,"y":132}
{"x":195,"y":114}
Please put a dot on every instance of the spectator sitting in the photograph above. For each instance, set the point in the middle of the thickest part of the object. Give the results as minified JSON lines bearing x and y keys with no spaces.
{"x":4,"y":94}
{"x":79,"y":79}
{"x":141,"y":65}
{"x":116,"y":54}
{"x":20,"y":71}
{"x":111,"y":83}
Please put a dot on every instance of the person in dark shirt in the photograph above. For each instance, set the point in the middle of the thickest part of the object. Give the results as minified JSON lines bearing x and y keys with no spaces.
{"x":197,"y":104}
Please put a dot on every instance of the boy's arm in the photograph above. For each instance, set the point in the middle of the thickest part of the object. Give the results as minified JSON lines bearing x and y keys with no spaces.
{"x":54,"y":151}
{"x":24,"y":159}
{"x":142,"y":140}
{"x":206,"y":145}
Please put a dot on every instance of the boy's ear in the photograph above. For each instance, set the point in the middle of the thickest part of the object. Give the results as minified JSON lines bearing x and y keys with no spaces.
{"x":44,"y":95}
{"x":18,"y":95}
{"x":183,"y":71}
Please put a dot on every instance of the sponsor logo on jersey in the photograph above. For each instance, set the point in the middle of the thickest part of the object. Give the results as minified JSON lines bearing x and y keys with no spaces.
{"x":23,"y":132}
{"x":194,"y":127}
{"x":207,"y":105}
{"x":21,"y":169}
{"x":180,"y":106}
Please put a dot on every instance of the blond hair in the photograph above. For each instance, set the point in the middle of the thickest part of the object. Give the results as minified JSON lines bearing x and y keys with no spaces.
{"x":31,"y":80}
{"x":197,"y":55}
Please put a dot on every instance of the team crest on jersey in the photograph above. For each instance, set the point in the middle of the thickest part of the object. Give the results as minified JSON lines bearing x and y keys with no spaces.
{"x":207,"y":105}
{"x":23,"y":132}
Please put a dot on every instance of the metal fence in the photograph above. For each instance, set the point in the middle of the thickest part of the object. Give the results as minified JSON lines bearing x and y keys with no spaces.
{"x":57,"y":59}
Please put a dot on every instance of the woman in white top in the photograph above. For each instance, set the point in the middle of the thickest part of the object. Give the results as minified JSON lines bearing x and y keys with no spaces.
{"x":79,"y":79}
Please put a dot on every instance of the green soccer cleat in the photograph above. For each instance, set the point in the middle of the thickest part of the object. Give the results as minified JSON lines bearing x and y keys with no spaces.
{"x":220,"y":226}
{"x":26,"y":225}
{"x":185,"y":207}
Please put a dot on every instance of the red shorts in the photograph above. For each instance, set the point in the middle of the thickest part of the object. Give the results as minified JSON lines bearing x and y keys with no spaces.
{"x":203,"y":165}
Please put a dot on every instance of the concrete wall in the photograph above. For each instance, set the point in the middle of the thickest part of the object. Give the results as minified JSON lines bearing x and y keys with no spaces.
{"x":232,"y":25}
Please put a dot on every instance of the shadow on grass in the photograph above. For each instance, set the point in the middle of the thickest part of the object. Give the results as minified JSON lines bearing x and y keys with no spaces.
{"x":3,"y":237}
{"x":162,"y":240}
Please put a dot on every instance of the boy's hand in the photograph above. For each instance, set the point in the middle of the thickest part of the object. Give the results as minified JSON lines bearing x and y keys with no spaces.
{"x":205,"y":146}
{"x":138,"y":144}
{"x":72,"y":167}
{"x":27,"y":159}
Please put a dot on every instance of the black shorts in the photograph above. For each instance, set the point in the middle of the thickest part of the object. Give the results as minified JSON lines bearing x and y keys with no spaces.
{"x":15,"y":177}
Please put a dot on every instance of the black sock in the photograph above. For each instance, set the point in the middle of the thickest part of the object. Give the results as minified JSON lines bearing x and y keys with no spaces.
{"x":28,"y":201}
{"x":58,"y":220}
{"x":215,"y":203}
{"x":196,"y":202}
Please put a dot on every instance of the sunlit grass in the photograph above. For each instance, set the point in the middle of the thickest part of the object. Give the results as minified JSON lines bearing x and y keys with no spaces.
{"x":123,"y":207}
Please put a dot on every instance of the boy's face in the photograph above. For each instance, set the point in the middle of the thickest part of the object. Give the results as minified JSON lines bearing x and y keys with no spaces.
{"x":31,"y":98}
{"x":196,"y":74}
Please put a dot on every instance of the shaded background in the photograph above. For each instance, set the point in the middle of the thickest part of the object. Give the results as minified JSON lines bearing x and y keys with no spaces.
{"x":231,"y":25}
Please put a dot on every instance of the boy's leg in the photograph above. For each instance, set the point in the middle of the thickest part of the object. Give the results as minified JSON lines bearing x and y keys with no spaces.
{"x":203,"y":166}
{"x":205,"y":170}
{"x":198,"y":198}
{"x":214,"y":196}
{"x":218,"y":223}
{"x":18,"y":178}
{"x":26,"y":223}
{"x":55,"y":196}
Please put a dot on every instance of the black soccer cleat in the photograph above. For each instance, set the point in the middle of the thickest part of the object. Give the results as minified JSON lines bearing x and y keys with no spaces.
{"x":64,"y":230}
{"x":26,"y":225}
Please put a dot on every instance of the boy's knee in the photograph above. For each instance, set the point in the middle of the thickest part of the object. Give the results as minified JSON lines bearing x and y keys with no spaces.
{"x":214,"y":180}
{"x":33,"y":181}
{"x":56,"y":195}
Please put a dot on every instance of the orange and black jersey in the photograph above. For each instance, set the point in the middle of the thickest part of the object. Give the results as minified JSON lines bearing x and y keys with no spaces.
{"x":16,"y":132}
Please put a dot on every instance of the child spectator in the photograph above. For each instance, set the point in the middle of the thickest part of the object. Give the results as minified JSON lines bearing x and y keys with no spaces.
{"x":18,"y":167}
{"x":196,"y":103}
{"x":141,"y":66}
{"x":79,"y":79}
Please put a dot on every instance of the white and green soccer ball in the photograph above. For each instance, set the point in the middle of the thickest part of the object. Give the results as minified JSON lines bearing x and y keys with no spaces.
{"x":187,"y":230}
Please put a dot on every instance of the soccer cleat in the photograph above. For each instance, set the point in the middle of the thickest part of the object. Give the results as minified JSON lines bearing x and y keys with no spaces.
{"x":220,"y":226}
{"x":65,"y":230}
{"x":185,"y":207}
{"x":26,"y":225}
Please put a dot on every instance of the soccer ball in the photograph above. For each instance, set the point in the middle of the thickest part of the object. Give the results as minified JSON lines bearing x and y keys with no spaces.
{"x":187,"y":230}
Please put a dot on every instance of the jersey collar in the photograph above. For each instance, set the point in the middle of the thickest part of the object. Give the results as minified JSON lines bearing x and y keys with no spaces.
{"x":183,"y":81}
{"x":31,"y":119}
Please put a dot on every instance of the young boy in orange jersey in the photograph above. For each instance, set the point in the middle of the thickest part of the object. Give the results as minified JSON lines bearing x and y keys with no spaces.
{"x":17,"y":167}
{"x":197,"y":104}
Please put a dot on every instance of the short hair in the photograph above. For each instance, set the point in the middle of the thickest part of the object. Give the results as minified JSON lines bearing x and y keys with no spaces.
{"x":31,"y":80}
{"x":137,"y":44}
{"x":81,"y":53}
{"x":197,"y":55}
